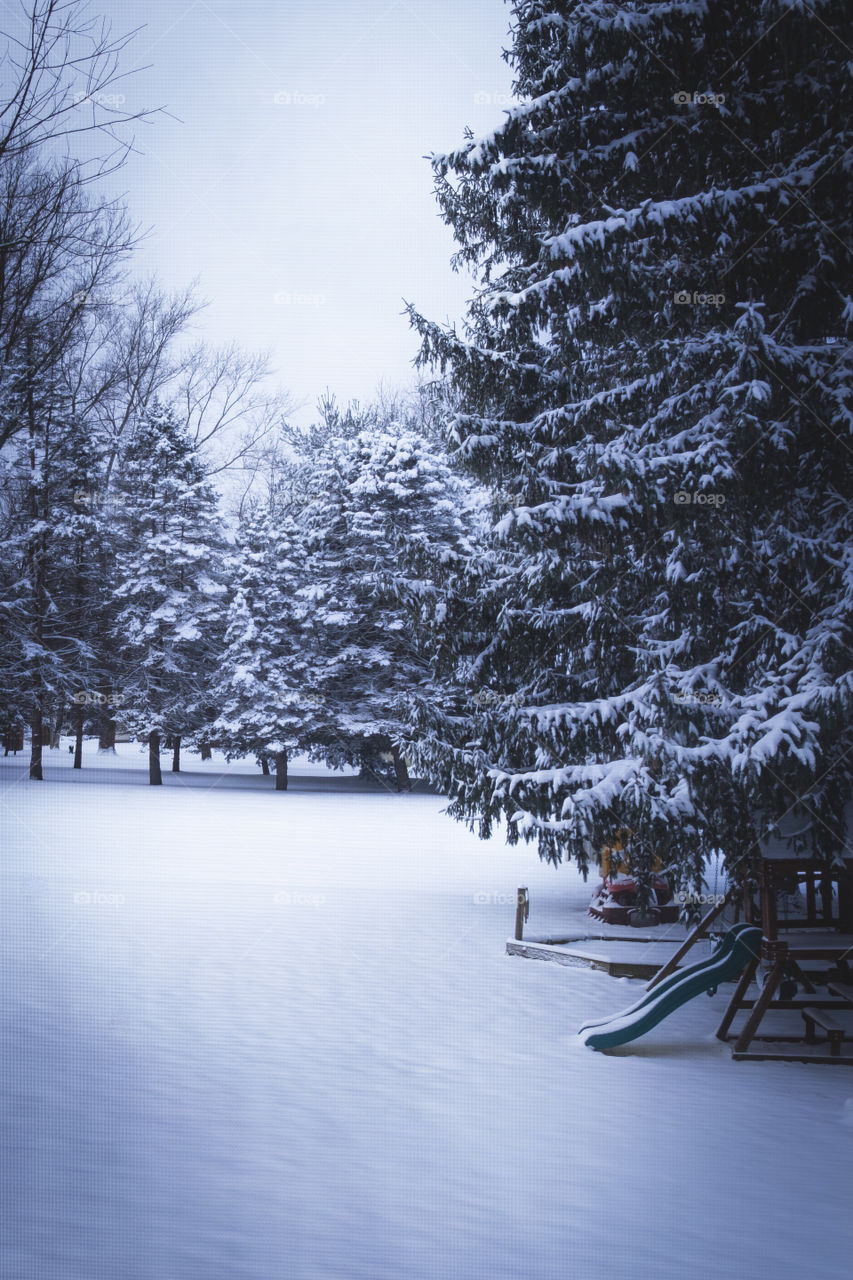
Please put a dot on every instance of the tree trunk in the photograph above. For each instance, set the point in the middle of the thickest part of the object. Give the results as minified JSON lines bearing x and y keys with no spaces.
{"x":176,"y":754}
{"x":39,"y":511}
{"x":78,"y":736}
{"x":36,"y":745}
{"x":57,"y":726}
{"x":107,"y":737}
{"x":155,"y":777}
{"x":401,"y":770}
{"x":206,"y":751}
{"x":281,"y":771}
{"x":265,"y":766}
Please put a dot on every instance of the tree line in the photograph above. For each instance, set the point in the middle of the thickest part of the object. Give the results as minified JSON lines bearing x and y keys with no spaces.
{"x":596,"y":577}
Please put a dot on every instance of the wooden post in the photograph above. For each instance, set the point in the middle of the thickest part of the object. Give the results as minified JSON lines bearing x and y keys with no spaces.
{"x":768,"y":991}
{"x":811,"y":908}
{"x":522,"y":911}
{"x":768,"y":901}
{"x":176,"y":753}
{"x":735,"y":1002}
{"x":845,"y":899}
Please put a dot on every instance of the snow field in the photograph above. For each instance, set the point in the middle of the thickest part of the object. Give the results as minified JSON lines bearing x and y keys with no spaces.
{"x":265,"y":1036}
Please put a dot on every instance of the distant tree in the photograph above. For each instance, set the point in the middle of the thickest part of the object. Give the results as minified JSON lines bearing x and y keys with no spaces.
{"x":61,"y":240}
{"x":49,"y":579}
{"x":335,"y":572}
{"x":384,"y":510}
{"x":264,"y":694}
{"x":169,"y":585}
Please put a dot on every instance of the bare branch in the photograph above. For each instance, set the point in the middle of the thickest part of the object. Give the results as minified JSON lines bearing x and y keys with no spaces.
{"x":60,"y":76}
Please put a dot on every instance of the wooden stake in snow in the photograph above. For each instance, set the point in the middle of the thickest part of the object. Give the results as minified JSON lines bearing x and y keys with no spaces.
{"x":522,"y":911}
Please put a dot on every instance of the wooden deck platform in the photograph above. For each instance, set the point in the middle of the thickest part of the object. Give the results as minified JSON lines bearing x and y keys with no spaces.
{"x":620,"y":956}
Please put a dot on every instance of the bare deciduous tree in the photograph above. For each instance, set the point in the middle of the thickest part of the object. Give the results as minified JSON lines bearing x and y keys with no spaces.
{"x":59,"y":78}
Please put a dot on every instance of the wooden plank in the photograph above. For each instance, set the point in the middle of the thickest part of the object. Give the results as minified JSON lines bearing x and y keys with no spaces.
{"x":574,"y":959}
{"x":782,"y":1055}
{"x":631,"y":969}
{"x":803,"y":1003}
{"x":539,"y":951}
{"x":564,"y":939}
{"x":822,"y":1016}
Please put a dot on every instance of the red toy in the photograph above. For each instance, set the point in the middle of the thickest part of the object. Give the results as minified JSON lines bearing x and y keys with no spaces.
{"x":615,"y":900}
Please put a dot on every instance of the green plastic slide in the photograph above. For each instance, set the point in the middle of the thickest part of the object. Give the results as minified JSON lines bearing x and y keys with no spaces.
{"x":723,"y":948}
{"x":735,"y":949}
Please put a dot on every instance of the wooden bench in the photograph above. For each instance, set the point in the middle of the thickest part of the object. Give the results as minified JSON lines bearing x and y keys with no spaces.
{"x":834,"y":1031}
{"x":842,"y":990}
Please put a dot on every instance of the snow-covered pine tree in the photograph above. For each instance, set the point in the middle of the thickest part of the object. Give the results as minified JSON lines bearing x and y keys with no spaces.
{"x":384,"y":512}
{"x":655,"y":375}
{"x":266,"y":704}
{"x":49,"y":577}
{"x":81,"y":534}
{"x":169,"y":583}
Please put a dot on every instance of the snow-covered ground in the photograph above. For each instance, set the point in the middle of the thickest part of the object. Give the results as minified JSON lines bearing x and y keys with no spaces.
{"x":276,"y":1037}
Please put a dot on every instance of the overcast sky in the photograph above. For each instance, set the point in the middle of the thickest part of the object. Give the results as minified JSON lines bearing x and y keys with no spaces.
{"x":293,"y":182}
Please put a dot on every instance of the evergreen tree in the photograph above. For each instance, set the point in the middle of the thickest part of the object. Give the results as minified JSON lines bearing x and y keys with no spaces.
{"x":169,"y":584}
{"x":387,"y":512}
{"x":655,"y":379}
{"x":49,"y":580}
{"x":265,"y":700}
{"x":334,"y":574}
